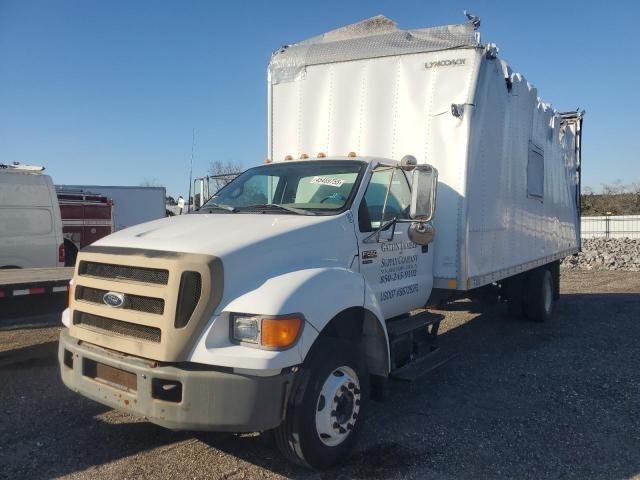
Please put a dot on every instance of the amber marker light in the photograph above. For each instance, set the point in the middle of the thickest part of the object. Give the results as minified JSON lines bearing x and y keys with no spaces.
{"x":280,"y":332}
{"x":288,"y":157}
{"x":69,"y":293}
{"x":352,"y":154}
{"x":322,"y":155}
{"x":304,"y":156}
{"x":266,"y":161}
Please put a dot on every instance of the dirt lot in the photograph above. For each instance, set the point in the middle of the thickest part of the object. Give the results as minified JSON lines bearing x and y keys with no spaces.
{"x":559,"y":400}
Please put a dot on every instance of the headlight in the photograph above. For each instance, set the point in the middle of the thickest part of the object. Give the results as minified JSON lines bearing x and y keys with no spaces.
{"x":246,"y":329}
{"x":269,"y":332}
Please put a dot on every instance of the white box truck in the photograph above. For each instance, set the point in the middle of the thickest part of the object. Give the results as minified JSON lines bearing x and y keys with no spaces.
{"x":403,"y":166}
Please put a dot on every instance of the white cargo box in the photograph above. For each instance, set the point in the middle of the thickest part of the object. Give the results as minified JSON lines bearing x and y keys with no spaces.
{"x":508,"y":163}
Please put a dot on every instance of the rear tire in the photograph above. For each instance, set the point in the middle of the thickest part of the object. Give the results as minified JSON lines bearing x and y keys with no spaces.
{"x":542,"y":298}
{"x":514,"y":289}
{"x":70,"y":253}
{"x":325,"y":412}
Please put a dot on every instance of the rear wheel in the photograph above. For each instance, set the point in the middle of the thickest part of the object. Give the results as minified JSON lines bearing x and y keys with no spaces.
{"x":541,"y":295}
{"x":324,"y":415}
{"x":514,"y":292}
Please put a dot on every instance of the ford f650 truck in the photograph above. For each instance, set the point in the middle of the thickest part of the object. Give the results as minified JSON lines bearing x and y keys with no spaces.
{"x":403,"y":166}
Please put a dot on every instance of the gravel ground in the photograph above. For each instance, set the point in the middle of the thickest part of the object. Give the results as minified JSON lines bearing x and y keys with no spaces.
{"x":606,"y":254}
{"x":559,"y":400}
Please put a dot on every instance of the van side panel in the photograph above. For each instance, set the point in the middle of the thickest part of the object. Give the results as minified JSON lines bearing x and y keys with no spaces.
{"x":30,"y":224}
{"x":521,"y":181}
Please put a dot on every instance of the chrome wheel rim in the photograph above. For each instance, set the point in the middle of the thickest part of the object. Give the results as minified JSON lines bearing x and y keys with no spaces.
{"x":338,"y":406}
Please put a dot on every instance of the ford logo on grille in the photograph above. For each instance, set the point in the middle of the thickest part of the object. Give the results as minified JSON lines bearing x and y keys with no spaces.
{"x":113,"y":299}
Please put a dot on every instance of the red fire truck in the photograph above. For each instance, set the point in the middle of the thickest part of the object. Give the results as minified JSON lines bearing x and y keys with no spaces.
{"x":86,"y":217}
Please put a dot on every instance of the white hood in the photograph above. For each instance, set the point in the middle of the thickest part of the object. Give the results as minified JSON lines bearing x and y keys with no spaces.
{"x":221,"y":233}
{"x":252,"y":247}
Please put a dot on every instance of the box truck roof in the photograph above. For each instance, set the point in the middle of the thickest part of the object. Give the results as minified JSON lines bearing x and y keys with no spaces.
{"x":372,"y":38}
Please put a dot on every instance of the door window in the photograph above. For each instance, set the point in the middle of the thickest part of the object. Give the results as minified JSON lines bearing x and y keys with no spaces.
{"x":373,"y":211}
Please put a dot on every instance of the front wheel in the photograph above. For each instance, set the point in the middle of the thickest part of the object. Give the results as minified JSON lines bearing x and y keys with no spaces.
{"x":324,"y":415}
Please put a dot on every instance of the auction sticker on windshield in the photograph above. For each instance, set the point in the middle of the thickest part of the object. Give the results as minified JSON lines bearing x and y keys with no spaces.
{"x":334,"y":182}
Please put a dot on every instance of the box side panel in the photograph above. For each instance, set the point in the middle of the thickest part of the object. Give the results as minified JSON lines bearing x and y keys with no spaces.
{"x":521,"y":180}
{"x":386,"y":107}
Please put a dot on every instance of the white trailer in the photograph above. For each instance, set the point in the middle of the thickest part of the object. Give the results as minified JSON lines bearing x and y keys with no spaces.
{"x":131,"y":205}
{"x":288,"y":299}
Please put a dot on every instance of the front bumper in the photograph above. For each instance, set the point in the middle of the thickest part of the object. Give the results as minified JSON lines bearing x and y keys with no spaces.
{"x":191,"y":398}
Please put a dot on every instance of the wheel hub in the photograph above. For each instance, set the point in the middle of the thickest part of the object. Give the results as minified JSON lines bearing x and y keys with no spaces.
{"x":338,"y":406}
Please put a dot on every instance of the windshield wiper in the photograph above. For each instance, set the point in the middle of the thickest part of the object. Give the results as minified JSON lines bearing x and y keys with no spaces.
{"x":221,"y":206}
{"x":299,"y":211}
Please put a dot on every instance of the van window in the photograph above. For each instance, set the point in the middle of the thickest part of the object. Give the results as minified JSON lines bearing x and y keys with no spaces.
{"x":16,"y":222}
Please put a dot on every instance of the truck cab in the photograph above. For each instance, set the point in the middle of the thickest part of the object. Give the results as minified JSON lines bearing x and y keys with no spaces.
{"x":219,"y":320}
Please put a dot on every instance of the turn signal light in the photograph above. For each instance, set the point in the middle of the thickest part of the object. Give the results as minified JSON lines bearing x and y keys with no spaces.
{"x":280,"y":332}
{"x":70,"y":293}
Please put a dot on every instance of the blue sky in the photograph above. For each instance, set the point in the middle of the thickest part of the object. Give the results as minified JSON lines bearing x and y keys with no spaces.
{"x":108,"y":92}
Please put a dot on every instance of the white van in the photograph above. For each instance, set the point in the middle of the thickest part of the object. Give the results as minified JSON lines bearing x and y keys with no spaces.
{"x":30,"y":224}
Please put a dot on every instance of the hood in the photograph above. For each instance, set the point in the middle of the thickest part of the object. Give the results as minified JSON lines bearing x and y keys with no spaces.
{"x":221,"y":233}
{"x":252,"y":247}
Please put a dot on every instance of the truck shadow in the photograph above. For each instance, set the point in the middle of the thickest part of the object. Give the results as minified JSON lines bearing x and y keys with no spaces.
{"x":521,"y":400}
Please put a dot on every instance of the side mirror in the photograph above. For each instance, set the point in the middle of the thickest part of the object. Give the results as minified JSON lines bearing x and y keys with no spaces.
{"x":421,"y":233}
{"x":424,"y":184}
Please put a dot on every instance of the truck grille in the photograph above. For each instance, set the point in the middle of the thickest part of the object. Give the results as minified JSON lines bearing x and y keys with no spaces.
{"x":117,"y":327}
{"x":168,"y":297}
{"x":132,"y":302}
{"x":124,"y":272}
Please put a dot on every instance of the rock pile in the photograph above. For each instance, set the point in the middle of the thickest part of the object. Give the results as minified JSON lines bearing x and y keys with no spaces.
{"x":606,"y":254}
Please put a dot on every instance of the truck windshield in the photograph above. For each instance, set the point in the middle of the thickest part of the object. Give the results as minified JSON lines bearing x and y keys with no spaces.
{"x":307,"y":188}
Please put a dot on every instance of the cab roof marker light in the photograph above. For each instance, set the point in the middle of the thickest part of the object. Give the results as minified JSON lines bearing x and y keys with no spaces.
{"x":352,"y":155}
{"x":267,"y":160}
{"x":288,"y":157}
{"x":322,"y":155}
{"x":304,"y":156}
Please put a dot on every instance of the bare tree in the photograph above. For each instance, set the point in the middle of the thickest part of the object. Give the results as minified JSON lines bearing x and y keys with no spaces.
{"x":614,"y":188}
{"x":150,"y":182}
{"x":224,"y":171}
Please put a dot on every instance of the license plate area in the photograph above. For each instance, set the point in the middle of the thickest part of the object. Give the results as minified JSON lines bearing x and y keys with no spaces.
{"x":112,"y":376}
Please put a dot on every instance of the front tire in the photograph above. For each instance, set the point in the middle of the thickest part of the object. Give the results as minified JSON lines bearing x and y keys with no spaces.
{"x":326,"y":408}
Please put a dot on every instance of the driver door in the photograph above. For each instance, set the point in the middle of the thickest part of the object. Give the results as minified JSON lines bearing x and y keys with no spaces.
{"x":398,"y":271}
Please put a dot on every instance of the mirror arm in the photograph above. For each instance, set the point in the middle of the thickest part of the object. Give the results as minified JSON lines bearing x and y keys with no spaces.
{"x":375,"y":236}
{"x":412,"y":220}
